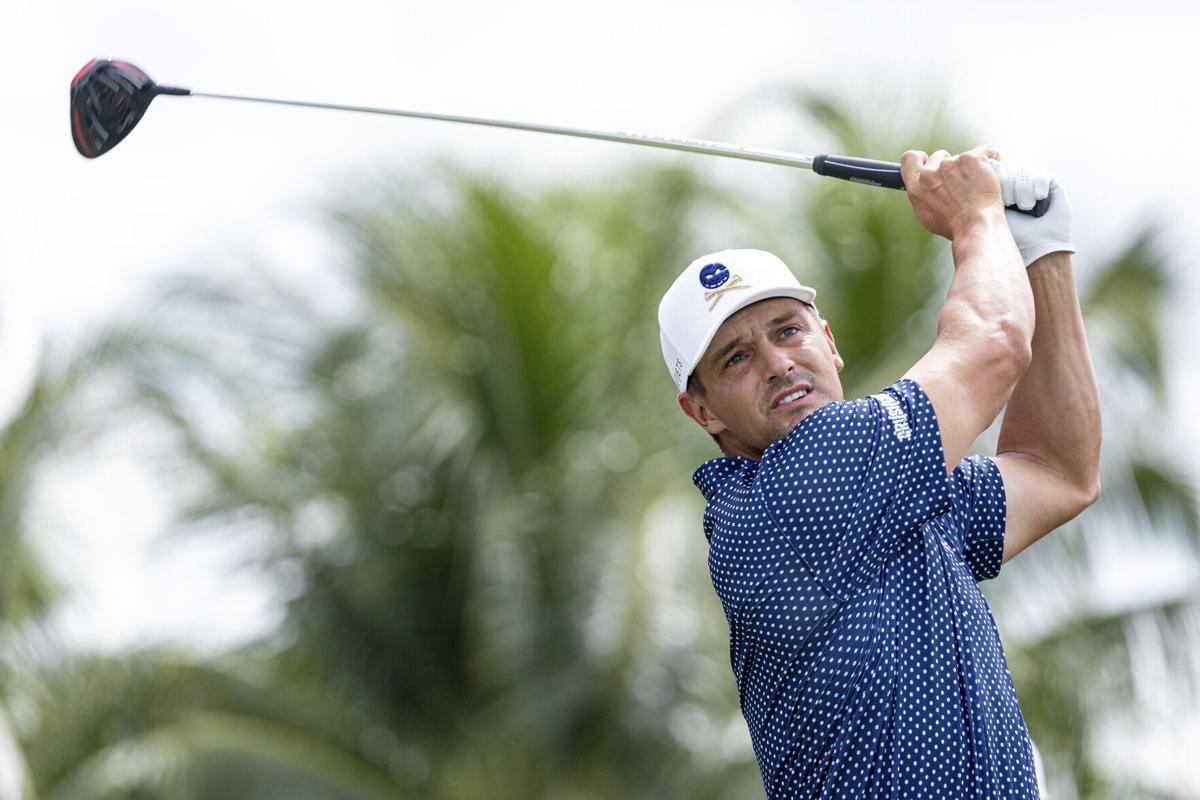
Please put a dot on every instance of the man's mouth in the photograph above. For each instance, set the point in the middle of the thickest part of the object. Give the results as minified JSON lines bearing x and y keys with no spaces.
{"x":791,"y":398}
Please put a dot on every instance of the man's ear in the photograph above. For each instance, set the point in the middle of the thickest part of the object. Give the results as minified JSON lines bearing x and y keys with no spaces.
{"x":837,"y":359}
{"x":696,"y":408}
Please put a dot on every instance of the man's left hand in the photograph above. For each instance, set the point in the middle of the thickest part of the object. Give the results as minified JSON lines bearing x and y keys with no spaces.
{"x":1035,"y":236}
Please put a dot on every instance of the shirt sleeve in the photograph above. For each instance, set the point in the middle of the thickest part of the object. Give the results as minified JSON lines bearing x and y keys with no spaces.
{"x":980,"y":509}
{"x":853,"y":478}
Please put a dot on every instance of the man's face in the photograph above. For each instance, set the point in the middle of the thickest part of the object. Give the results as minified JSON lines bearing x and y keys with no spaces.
{"x":759,"y":360}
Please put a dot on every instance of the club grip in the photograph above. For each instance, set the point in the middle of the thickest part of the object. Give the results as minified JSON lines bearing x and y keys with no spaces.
{"x":885,"y":174}
{"x":859,"y":170}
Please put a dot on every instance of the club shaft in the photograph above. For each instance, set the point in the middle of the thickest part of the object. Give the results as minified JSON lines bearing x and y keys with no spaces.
{"x":644,"y":139}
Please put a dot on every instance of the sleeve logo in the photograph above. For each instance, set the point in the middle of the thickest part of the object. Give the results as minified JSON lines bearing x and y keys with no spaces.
{"x":896,"y":415}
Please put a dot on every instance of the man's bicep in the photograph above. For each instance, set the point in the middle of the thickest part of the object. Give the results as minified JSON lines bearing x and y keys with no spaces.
{"x":967,"y":391}
{"x":1039,"y":500}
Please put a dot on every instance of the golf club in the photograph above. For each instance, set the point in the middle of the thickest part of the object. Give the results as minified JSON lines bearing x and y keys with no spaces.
{"x":108,"y":99}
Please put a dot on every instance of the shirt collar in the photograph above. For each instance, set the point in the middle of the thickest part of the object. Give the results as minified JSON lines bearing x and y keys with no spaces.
{"x":714,"y":474}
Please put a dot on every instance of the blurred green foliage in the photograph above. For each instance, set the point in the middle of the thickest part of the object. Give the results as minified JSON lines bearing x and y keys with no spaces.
{"x":474,"y":490}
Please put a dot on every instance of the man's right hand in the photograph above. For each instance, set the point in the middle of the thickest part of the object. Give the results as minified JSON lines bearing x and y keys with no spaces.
{"x":949,"y":193}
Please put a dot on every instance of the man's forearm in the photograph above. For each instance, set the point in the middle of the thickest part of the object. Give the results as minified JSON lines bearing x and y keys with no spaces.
{"x":1053,"y":415}
{"x":989,"y":287}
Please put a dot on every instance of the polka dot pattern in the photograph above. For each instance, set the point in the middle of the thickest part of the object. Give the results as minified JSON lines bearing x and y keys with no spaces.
{"x":867,"y":661}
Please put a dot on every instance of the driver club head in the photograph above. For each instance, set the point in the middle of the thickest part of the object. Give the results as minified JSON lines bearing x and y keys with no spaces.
{"x":108,"y":98}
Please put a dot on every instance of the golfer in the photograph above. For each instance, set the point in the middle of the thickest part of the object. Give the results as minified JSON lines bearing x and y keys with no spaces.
{"x":846,"y":537}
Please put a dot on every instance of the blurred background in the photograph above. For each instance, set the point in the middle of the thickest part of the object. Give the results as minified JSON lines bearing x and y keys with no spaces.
{"x":337,"y":456}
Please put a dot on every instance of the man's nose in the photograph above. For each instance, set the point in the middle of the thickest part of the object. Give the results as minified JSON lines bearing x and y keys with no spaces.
{"x":776,"y":362}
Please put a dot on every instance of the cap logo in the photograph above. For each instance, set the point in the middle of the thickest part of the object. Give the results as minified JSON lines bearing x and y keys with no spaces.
{"x":714,"y":297}
{"x":713,"y":275}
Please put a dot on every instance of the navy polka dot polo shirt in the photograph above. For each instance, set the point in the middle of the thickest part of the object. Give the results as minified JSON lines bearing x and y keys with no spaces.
{"x":867,"y":661}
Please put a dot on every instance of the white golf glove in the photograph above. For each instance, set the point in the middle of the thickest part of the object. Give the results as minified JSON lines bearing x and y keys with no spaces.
{"x":1035,"y":236}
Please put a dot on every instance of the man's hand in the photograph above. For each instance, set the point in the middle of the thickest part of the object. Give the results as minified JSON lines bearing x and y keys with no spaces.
{"x":950,"y":193}
{"x":1035,"y":236}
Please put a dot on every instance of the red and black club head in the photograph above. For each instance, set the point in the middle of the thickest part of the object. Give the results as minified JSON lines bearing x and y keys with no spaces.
{"x":107,"y":100}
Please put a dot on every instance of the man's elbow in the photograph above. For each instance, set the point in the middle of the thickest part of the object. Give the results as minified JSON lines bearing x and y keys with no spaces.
{"x":1005,"y":347}
{"x":1089,"y":476}
{"x":1070,"y":501}
{"x":1014,"y":338}
{"x":1083,"y":494}
{"x":998,"y":340}
{"x":1090,"y":493}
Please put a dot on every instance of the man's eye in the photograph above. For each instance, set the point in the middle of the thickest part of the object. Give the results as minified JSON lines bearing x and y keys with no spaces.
{"x":734,"y":359}
{"x":790,"y":330}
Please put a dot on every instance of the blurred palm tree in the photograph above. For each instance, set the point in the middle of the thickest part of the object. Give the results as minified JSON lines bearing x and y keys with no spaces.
{"x":474,"y":489}
{"x":464,"y":504}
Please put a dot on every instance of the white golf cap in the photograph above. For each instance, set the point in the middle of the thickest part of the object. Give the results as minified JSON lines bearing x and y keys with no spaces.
{"x":710,"y":291}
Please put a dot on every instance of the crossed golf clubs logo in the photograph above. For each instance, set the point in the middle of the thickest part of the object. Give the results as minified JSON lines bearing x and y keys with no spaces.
{"x":717,"y":280}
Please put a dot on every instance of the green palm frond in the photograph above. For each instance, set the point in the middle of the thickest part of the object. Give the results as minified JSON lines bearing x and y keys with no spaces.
{"x":206,"y":754}
{"x":1166,"y":491}
{"x":1124,"y":301}
{"x":158,"y":723}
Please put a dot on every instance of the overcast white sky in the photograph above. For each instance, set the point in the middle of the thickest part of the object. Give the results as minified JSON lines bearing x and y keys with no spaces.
{"x":1099,"y":93}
